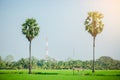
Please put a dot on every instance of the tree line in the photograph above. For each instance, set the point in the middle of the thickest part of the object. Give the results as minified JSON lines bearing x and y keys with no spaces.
{"x":103,"y":63}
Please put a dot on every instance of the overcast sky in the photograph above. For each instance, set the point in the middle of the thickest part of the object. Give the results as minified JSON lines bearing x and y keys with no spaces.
{"x":62,"y":21}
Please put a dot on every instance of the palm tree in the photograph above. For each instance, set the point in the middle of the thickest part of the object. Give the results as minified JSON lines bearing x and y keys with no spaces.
{"x":30,"y":29}
{"x":94,"y":26}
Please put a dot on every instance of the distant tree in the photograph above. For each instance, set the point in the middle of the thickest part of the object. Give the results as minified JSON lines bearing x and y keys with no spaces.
{"x":94,"y":26}
{"x":8,"y":60}
{"x":41,"y":63}
{"x":34,"y":62}
{"x":22,"y":63}
{"x":30,"y":29}
{"x":2,"y":63}
{"x":107,"y":63}
{"x":60,"y":65}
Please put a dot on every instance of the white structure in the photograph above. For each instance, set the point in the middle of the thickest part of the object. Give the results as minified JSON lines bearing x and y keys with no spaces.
{"x":46,"y":49}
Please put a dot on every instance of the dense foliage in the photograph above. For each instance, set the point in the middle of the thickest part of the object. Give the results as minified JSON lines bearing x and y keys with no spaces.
{"x":103,"y":63}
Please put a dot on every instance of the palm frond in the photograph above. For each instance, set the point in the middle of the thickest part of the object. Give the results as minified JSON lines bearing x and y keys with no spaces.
{"x":30,"y":28}
{"x":93,"y":23}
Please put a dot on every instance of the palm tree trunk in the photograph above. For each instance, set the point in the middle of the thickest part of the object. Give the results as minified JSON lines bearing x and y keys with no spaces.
{"x":30,"y":58}
{"x":93,"y":70}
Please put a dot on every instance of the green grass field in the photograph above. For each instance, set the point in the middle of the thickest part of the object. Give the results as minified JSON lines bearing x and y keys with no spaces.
{"x":59,"y":75}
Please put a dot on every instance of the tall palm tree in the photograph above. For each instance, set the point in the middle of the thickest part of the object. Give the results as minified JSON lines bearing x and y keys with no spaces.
{"x":94,"y":26}
{"x":30,"y":29}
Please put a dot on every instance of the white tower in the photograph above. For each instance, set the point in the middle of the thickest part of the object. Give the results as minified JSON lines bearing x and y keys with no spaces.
{"x":46,"y":49}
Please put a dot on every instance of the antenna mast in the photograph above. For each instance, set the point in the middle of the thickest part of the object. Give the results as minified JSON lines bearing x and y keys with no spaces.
{"x":46,"y":49}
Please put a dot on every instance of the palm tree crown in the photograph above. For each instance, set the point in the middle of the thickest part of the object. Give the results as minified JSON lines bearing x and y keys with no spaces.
{"x":30,"y":29}
{"x":93,"y":23}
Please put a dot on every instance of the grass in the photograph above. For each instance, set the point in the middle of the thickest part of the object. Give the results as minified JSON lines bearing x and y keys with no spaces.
{"x":59,"y":75}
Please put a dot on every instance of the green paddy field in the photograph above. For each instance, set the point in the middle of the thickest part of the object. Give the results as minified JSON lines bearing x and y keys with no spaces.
{"x":59,"y":75}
